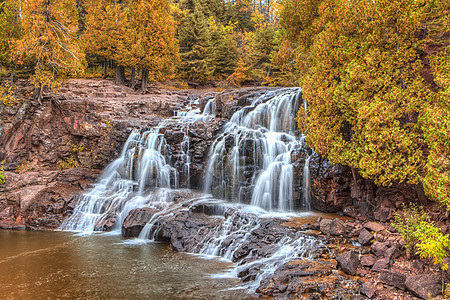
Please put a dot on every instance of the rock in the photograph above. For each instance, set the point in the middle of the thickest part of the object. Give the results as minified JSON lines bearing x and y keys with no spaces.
{"x":392,"y":252}
{"x":349,"y":262}
{"x":368,"y":289}
{"x":332,"y":227}
{"x":136,"y":220}
{"x":393,"y":278}
{"x":382,"y":214}
{"x":425,"y":286}
{"x":379,"y":248}
{"x":380,"y":265}
{"x":325,"y":226}
{"x":365,"y":237}
{"x":373,"y":226}
{"x":368,"y":260}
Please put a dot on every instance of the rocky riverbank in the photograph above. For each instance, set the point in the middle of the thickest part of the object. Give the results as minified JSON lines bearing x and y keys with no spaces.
{"x":54,"y":152}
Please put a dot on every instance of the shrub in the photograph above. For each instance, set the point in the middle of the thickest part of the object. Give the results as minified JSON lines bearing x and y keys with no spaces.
{"x":2,"y":174}
{"x":422,"y":236}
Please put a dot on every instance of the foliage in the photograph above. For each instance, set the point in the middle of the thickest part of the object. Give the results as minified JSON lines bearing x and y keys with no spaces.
{"x":11,"y":29}
{"x":49,"y":41}
{"x":360,"y":68}
{"x":422,"y":236}
{"x":69,"y":164}
{"x":8,"y":96}
{"x":2,"y":174}
{"x":238,"y":75}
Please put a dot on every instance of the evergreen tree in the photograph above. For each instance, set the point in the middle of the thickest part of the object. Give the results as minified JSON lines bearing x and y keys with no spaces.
{"x":49,"y":41}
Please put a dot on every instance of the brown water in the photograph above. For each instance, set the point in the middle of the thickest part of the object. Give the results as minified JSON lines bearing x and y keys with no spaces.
{"x":59,"y":265}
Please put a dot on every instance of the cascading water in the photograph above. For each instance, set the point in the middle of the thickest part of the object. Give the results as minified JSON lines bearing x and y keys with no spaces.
{"x":251,"y":161}
{"x":145,"y":163}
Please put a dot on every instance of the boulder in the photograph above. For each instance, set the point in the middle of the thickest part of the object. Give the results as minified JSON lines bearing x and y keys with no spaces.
{"x":374,"y":226}
{"x":425,"y":286}
{"x":349,"y":262}
{"x":379,"y":248}
{"x":368,"y":289}
{"x":380,"y":265}
{"x":332,"y":227}
{"x":136,"y":220}
{"x":368,"y":260}
{"x":393,"y":278}
{"x":365,"y":237}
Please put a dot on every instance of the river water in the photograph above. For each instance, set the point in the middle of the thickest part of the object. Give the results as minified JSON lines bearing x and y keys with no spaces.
{"x":60,"y":265}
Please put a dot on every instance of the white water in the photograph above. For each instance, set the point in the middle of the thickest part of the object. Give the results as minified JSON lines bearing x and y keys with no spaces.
{"x":127,"y":183}
{"x":251,"y":161}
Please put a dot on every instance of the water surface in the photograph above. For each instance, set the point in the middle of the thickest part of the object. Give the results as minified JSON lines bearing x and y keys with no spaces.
{"x":59,"y":265}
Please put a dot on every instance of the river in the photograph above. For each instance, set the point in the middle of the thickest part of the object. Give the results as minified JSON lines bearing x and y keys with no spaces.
{"x":61,"y":265}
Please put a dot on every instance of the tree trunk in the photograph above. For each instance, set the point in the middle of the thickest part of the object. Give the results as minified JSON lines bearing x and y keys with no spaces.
{"x":144,"y":80}
{"x":12,"y":76}
{"x":38,"y":94}
{"x":120,"y":74}
{"x":133,"y":78}
{"x":105,"y":70}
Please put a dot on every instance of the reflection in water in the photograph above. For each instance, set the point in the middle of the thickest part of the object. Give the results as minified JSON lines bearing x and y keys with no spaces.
{"x":58,"y":265}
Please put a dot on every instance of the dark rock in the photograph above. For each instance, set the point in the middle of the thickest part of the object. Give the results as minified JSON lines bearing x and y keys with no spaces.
{"x":382,"y":214}
{"x":425,"y":286}
{"x":379,"y":249}
{"x":349,"y":262}
{"x":136,"y":220}
{"x":332,"y":227}
{"x":392,"y":252}
{"x":380,"y":265}
{"x":368,"y":260}
{"x":365,"y":237}
{"x":368,"y":289}
{"x":325,"y":226}
{"x":393,"y":278}
{"x":373,"y":226}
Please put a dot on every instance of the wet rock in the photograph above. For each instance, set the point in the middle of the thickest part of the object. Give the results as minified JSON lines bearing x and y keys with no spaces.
{"x":349,"y":262}
{"x":365,"y":237}
{"x":393,"y":278}
{"x":380,"y":265}
{"x":136,"y":220}
{"x":332,"y":227}
{"x":425,"y":286}
{"x":368,"y":289}
{"x":41,"y":200}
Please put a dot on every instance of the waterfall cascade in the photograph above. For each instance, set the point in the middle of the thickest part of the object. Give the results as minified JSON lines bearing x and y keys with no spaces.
{"x":146,"y":162}
{"x":250,"y":162}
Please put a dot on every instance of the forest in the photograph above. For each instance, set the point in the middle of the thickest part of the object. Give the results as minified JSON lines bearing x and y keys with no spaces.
{"x":375,"y":74}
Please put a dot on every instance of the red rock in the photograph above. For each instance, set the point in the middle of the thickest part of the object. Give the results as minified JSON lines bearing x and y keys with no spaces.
{"x":349,"y":262}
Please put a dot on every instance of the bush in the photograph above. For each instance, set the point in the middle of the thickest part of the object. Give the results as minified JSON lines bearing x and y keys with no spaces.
{"x":422,"y":236}
{"x":2,"y":174}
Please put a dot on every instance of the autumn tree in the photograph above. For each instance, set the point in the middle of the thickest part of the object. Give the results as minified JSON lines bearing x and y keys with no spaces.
{"x":105,"y":26}
{"x":49,"y":42}
{"x":369,"y":106}
{"x":11,"y":29}
{"x":154,"y":47}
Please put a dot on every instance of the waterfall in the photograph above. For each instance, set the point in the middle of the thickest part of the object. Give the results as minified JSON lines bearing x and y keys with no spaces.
{"x":145,"y":163}
{"x":250,"y":162}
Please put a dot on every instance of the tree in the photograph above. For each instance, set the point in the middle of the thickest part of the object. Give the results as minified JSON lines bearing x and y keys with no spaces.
{"x":105,"y":27}
{"x":49,"y":42}
{"x":11,"y":29}
{"x":369,"y":106}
